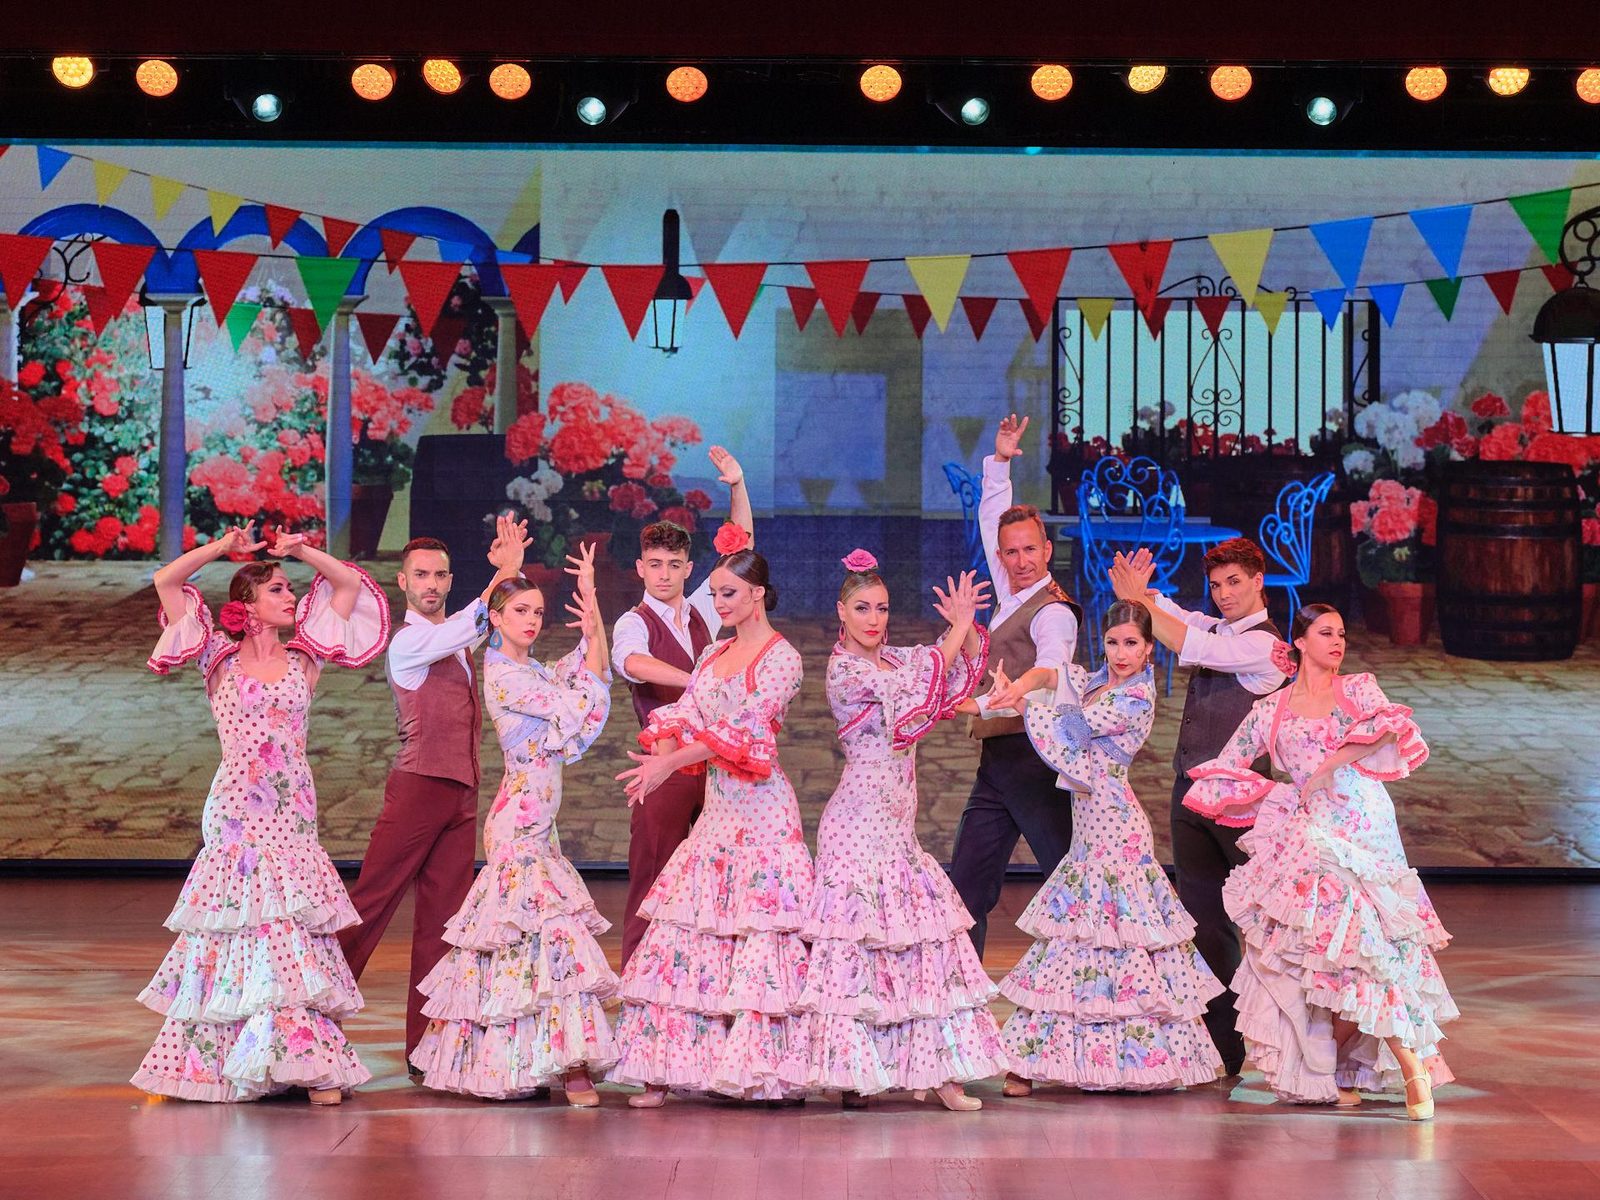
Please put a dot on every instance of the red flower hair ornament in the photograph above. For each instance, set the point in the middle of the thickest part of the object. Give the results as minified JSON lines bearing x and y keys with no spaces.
{"x":237,"y":618}
{"x":731,"y":538}
{"x":1283,"y":659}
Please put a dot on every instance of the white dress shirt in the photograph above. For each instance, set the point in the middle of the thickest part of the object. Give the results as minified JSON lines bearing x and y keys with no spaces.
{"x":1237,"y":648}
{"x":631,"y":635}
{"x":419,"y":643}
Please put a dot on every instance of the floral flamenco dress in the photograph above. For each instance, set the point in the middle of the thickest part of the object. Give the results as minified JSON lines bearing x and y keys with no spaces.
{"x":710,"y":995}
{"x":518,"y":1000}
{"x":1112,"y":994}
{"x":898,"y":995}
{"x":1335,"y":922}
{"x":255,"y":984}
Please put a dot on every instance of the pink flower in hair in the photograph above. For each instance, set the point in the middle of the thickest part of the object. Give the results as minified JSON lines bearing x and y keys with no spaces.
{"x":235,"y":616}
{"x":1283,"y":659}
{"x":859,"y":560}
{"x":731,"y":538}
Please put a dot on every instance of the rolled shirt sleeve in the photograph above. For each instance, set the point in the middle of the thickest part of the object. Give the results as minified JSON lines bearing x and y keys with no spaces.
{"x":628,"y":636}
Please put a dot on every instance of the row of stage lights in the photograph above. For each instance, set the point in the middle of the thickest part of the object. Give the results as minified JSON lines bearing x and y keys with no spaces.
{"x":879,"y":82}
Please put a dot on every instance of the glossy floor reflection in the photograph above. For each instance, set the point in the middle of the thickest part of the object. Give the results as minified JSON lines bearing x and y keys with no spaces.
{"x":1524,"y":1123}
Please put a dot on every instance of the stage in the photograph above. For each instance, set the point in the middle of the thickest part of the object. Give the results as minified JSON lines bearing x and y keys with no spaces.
{"x":1524,"y":1122}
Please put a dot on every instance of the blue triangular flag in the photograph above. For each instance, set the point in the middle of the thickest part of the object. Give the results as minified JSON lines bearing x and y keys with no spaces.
{"x":513,"y":256}
{"x":1330,"y":303}
{"x":450,"y":251}
{"x":1445,"y":231}
{"x":1345,"y":244}
{"x":51,"y":161}
{"x":1387,"y":297}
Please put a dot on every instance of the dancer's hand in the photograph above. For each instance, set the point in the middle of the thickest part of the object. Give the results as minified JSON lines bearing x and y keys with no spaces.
{"x":511,"y":540}
{"x":585,"y":611}
{"x":1320,"y":783}
{"x":728,"y":469}
{"x":583,"y":567}
{"x":1007,"y":440}
{"x":1007,"y":693}
{"x":961,"y":602}
{"x":284,"y":543}
{"x":239,"y":539}
{"x":648,"y":773}
{"x":1130,"y":574}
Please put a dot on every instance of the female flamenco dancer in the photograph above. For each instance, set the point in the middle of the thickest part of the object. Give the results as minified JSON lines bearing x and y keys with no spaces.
{"x":899,"y":994}
{"x":709,"y":996}
{"x":1112,"y":995}
{"x":255,"y":984}
{"x":517,"y":1003}
{"x":1339,"y":990}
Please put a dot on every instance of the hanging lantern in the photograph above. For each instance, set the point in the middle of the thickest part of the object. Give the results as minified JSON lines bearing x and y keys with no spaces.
{"x":155,"y":328}
{"x":672,"y":292}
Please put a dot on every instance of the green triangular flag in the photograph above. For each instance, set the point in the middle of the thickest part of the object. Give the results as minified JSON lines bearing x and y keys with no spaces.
{"x":325,"y":281}
{"x":241,"y":319}
{"x":1445,"y":292}
{"x":1545,"y":215}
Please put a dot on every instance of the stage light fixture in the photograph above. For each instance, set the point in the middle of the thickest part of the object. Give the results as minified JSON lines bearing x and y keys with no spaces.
{"x":73,"y":71}
{"x":442,"y":75}
{"x":510,"y":81}
{"x":592,"y":110}
{"x":687,"y":84}
{"x":1051,"y":82}
{"x":975,"y":111}
{"x":880,"y":83}
{"x":1230,"y":82}
{"x":156,"y":77}
{"x":372,"y":81}
{"x":1426,"y":83}
{"x":266,"y":106}
{"x":1508,"y":81}
{"x":1321,"y":110}
{"x":1588,"y":85}
{"x":1146,"y":77}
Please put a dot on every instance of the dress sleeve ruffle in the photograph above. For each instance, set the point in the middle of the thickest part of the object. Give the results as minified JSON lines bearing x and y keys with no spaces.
{"x":185,"y":639}
{"x":572,"y":700}
{"x":346,"y":642}
{"x":965,"y":675}
{"x":1375,"y":715}
{"x":1232,"y":796}
{"x":1062,"y":737}
{"x":745,"y":742}
{"x":679,"y":720}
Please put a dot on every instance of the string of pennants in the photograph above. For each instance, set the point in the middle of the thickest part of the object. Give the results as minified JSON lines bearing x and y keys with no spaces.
{"x":834,"y":285}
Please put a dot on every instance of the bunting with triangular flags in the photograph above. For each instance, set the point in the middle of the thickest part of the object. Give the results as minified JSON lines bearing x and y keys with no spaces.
{"x":1243,"y":256}
{"x":1155,"y":316}
{"x":1096,"y":311}
{"x":307,"y":331}
{"x":978,"y":309}
{"x":1544,"y":214}
{"x":1559,"y":278}
{"x":444,"y":339}
{"x":120,"y":269}
{"x":633,"y":287}
{"x":1036,"y":323}
{"x":1040,"y":272}
{"x":326,"y":281}
{"x":803,"y":302}
{"x":376,"y":330}
{"x":696,"y":283}
{"x":395,"y":244}
{"x":1142,"y":264}
{"x":101,"y":307}
{"x":164,"y":194}
{"x":1387,"y":297}
{"x":736,"y":285}
{"x":1212,"y":310}
{"x":337,"y":233}
{"x":917,"y":312}
{"x":51,"y":161}
{"x":939,"y":278}
{"x":428,"y":286}
{"x":571,"y":276}
{"x":1345,"y":245}
{"x":1271,"y":305}
{"x":1330,"y":303}
{"x":108,"y":178}
{"x":1445,"y":232}
{"x":223,"y":274}
{"x":866,"y":303}
{"x":223,"y":205}
{"x":280,"y":221}
{"x":531,"y":285}
{"x":240,"y":320}
{"x":1445,"y":292}
{"x":837,"y":283}
{"x":1504,"y":286}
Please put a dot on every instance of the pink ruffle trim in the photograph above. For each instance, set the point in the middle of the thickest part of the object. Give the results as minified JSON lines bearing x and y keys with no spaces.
{"x":508,"y":1060}
{"x":1409,"y":749}
{"x":1228,"y":796}
{"x":346,"y":642}
{"x":179,"y":644}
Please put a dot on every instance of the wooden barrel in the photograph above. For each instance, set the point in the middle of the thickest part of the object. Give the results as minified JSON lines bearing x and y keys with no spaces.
{"x":1509,"y":561}
{"x":1245,"y":490}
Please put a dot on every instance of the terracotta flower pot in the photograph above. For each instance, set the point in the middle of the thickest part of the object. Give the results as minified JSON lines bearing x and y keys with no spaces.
{"x":22,"y":518}
{"x":369,"y":509}
{"x":1374,"y":611}
{"x":1410,"y":611}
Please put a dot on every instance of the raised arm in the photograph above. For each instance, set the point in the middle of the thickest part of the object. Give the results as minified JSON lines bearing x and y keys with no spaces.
{"x":731,"y":473}
{"x":959,"y":606}
{"x":996,"y":496}
{"x":169,"y":580}
{"x":586,"y":610}
{"x":343,"y":579}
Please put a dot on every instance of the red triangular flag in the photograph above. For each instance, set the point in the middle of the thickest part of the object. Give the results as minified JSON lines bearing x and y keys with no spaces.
{"x":695,"y":282}
{"x":395,"y":245}
{"x":101,"y":307}
{"x":337,"y":233}
{"x":20,"y":258}
{"x":633,"y":288}
{"x":1040,"y":272}
{"x":736,"y":286}
{"x":1142,"y":264}
{"x":1213,"y":309}
{"x":376,"y":329}
{"x":918,"y":311}
{"x":804,"y":302}
{"x":445,"y":337}
{"x":3,"y":148}
{"x":531,"y":285}
{"x":1504,"y":286}
{"x":861,"y":311}
{"x":571,"y":276}
{"x":1036,"y":323}
{"x":1560,"y":278}
{"x":279,"y":221}
{"x":307,"y":333}
{"x":979,"y":309}
{"x":428,"y":286}
{"x":837,"y":284}
{"x":120,"y":269}
{"x":1155,"y":316}
{"x":223,"y":274}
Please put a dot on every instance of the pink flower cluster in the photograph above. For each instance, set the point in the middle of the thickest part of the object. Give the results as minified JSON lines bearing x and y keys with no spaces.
{"x":1392,"y":513}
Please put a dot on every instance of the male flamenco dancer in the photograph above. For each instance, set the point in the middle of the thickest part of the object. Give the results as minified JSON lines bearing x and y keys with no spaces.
{"x":654,"y":647}
{"x":1033,"y":633}
{"x":1233,"y":665}
{"x":426,"y":833}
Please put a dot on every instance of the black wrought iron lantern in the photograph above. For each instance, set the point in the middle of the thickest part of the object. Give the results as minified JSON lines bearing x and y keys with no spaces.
{"x":673,"y":293}
{"x":1567,"y":329}
{"x":155,"y":326}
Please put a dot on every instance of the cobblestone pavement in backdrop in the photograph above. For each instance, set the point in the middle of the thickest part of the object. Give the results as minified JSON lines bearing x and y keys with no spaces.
{"x":99,"y":758}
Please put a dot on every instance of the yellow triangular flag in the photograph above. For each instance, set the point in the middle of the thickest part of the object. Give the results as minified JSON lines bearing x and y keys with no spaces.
{"x":524,"y":212}
{"x":108,"y":178}
{"x":1242,"y":256}
{"x":939,"y":278}
{"x":1095,"y":310}
{"x":1270,"y":305}
{"x":164,"y":194}
{"x":223,"y":206}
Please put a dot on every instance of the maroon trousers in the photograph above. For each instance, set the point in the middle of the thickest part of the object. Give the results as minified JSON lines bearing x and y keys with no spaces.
{"x":427,"y":835}
{"x":655,"y":829}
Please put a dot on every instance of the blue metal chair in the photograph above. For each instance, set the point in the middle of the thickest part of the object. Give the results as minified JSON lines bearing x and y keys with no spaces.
{"x":1286,"y":534}
{"x":969,"y":490}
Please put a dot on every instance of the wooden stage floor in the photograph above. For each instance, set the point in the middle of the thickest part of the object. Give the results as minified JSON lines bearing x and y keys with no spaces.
{"x":1523,"y":1123}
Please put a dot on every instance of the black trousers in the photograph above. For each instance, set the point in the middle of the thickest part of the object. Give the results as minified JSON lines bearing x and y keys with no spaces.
{"x":1204,"y":852}
{"x":1015,"y":795}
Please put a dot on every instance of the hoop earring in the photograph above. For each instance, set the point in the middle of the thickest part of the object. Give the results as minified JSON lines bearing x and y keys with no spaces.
{"x":494,"y":640}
